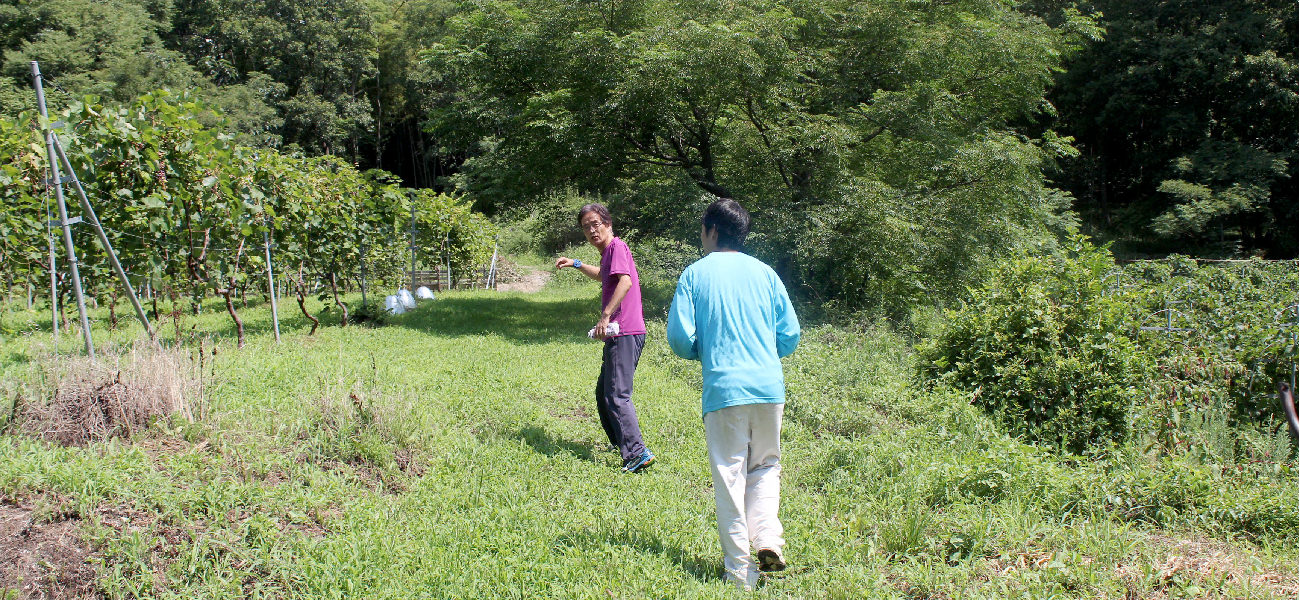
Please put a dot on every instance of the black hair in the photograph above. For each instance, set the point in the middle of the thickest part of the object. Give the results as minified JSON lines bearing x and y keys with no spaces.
{"x":731,"y":220}
{"x":600,"y":211}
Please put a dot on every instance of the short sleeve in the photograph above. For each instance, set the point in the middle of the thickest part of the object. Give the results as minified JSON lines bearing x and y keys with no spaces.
{"x":620,"y":259}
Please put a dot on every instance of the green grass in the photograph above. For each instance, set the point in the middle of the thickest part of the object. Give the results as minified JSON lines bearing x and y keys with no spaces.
{"x":471,"y":464}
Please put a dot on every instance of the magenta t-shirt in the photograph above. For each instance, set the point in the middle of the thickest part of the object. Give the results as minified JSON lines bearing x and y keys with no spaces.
{"x":617,"y":260}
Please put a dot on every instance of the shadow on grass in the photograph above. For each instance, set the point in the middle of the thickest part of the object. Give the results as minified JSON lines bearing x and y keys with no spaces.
{"x":213,"y":309}
{"x":641,"y":542}
{"x":545,"y":443}
{"x":527,"y":320}
{"x":14,"y":358}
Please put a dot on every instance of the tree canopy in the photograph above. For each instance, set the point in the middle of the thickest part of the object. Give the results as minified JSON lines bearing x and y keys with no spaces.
{"x":1186,"y":120}
{"x":889,"y":150}
{"x":876,"y":144}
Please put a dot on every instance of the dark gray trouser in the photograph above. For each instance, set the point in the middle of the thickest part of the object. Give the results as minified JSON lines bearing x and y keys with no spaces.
{"x":614,"y":394}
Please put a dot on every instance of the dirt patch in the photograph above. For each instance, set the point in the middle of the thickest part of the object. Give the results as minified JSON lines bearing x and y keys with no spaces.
{"x":1153,"y":573}
{"x":157,"y":447}
{"x":1028,"y":560}
{"x":43,"y":560}
{"x":408,"y":462}
{"x":529,"y":280}
{"x":575,"y":413}
{"x":1203,"y":561}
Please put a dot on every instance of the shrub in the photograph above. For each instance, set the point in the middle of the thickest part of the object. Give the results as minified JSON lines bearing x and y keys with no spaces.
{"x":1240,"y":337}
{"x":663,"y":259}
{"x":553,"y":223}
{"x":371,"y":313}
{"x":1043,"y":347}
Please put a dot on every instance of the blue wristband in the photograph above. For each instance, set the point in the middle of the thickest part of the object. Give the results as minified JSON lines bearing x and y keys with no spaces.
{"x":577,"y":264}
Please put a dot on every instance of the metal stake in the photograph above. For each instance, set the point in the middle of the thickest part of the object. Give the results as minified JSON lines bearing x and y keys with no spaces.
{"x":363,"y":273}
{"x":54,"y":275}
{"x":103,"y":238}
{"x":63,"y":210}
{"x":412,"y":245}
{"x":270,"y":281}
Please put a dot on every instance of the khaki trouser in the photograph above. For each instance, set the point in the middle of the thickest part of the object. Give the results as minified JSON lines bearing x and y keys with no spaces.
{"x":744,"y":444}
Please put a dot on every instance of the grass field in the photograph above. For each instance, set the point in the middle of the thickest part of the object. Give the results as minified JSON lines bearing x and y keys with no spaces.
{"x":455,"y":452}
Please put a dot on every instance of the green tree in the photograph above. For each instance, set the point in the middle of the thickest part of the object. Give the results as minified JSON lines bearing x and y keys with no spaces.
{"x":876,"y":143}
{"x":323,"y":53}
{"x":111,"y":48}
{"x":1186,"y":121}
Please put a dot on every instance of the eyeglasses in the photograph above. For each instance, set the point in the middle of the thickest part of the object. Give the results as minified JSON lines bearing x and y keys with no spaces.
{"x":592,"y":225}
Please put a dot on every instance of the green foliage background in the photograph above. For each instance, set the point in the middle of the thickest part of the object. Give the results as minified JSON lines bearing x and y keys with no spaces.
{"x":928,"y":166}
{"x":891,"y":152}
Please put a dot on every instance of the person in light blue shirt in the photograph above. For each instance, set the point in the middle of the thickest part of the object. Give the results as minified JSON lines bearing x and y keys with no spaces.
{"x":732,"y":313}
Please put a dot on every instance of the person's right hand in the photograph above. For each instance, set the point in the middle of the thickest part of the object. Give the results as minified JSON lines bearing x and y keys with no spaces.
{"x":563,"y":262}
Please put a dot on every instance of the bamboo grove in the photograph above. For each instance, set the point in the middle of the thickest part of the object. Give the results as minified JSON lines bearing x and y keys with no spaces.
{"x":188,"y":212}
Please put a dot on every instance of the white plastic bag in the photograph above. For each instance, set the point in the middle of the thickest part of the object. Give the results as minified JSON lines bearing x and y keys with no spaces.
{"x":405,"y":297}
{"x":424,"y":293}
{"x":393,"y":305}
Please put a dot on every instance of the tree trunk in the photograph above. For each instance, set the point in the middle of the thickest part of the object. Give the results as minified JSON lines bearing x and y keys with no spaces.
{"x":176,"y":312}
{"x":228,"y":294}
{"x":300,"y":289}
{"x":334,"y":289}
{"x":63,"y":316}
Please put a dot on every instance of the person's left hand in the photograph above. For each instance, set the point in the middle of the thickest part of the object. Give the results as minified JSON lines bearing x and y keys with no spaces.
{"x":600,"y":327}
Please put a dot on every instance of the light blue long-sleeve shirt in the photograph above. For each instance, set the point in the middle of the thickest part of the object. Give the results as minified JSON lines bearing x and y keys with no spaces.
{"x":732,"y":313}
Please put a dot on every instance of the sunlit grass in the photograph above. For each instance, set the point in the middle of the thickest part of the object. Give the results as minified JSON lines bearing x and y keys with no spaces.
{"x":456,"y":452}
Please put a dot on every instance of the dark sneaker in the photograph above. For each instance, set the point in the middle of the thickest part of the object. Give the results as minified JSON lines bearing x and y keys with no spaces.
{"x":639,"y":463}
{"x":770,"y":560}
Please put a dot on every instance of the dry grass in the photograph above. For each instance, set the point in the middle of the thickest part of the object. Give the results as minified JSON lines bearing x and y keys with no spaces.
{"x":113,"y":396}
{"x":1206,"y":562}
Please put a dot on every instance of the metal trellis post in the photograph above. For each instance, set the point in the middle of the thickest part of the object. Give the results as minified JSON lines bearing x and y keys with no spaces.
{"x":56,"y":181}
{"x":103,"y":237}
{"x":412,"y":288}
{"x":270,"y":281}
{"x":54,"y":275}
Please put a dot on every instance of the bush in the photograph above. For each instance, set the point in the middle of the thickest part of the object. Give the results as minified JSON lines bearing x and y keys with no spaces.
{"x":1043,"y":347}
{"x":663,"y":259}
{"x":371,"y":313}
{"x":1240,"y":337}
{"x":553,"y":223}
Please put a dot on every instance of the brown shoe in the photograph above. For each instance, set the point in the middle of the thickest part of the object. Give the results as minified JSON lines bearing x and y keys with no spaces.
{"x":770,"y":560}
